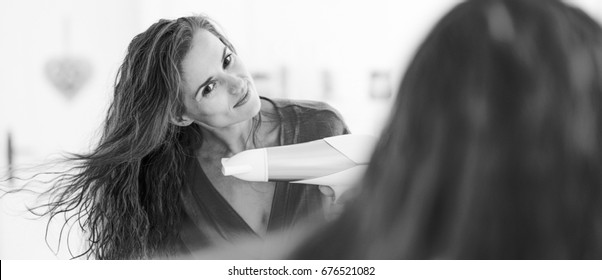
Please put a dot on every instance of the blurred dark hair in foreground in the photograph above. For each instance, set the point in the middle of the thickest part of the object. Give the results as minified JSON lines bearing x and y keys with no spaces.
{"x":494,"y":147}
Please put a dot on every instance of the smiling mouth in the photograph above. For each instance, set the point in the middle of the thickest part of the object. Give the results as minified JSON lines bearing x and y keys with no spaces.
{"x":243,"y":100}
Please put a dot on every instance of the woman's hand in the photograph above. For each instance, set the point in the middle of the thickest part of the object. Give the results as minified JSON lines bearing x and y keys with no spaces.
{"x":335,"y":201}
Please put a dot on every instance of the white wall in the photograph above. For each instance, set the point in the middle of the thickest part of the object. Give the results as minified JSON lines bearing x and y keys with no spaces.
{"x":300,"y":38}
{"x":42,"y":121}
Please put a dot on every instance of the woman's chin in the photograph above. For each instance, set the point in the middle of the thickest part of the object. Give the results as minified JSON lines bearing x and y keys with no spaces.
{"x":255,"y":104}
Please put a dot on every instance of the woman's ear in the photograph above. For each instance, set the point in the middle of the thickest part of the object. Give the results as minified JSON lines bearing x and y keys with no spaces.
{"x":181,"y":121}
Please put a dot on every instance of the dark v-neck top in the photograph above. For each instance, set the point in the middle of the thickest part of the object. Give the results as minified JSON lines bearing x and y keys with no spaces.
{"x":209,"y":219}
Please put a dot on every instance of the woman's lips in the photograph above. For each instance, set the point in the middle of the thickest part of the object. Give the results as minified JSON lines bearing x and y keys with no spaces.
{"x":243,"y":100}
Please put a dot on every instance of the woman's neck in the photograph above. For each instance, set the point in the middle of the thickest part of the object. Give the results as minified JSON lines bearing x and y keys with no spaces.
{"x":230,"y":140}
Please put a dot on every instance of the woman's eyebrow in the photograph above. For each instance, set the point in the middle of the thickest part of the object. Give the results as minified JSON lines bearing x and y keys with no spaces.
{"x":210,"y":77}
{"x":224,"y":54}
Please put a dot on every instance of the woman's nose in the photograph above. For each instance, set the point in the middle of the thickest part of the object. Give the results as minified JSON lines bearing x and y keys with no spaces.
{"x":236,"y":85}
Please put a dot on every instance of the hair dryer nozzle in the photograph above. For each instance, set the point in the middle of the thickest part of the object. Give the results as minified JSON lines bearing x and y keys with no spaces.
{"x":249,"y":165}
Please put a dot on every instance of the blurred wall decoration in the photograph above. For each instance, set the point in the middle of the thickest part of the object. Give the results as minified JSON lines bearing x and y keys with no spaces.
{"x":347,"y":53}
{"x":9,"y":158}
{"x":271,"y":83}
{"x":380,"y":85}
{"x":67,"y":72}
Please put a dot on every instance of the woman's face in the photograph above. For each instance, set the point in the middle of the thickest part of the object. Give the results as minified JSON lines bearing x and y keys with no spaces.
{"x":218,"y":89}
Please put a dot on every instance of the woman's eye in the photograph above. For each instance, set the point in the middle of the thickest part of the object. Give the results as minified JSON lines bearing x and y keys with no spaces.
{"x":208,"y":89}
{"x":227,"y":60}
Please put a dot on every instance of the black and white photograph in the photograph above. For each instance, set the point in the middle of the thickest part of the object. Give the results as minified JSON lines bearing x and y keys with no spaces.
{"x":342,"y":138}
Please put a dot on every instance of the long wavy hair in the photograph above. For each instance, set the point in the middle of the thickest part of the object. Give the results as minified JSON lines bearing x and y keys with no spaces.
{"x":125,"y":193}
{"x":494,"y":146}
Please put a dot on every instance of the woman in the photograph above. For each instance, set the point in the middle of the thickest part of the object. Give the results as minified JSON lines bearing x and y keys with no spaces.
{"x":494,"y":147}
{"x":152,"y":187}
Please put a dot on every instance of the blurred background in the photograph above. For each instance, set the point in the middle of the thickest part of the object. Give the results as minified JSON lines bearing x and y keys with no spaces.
{"x":58,"y":61}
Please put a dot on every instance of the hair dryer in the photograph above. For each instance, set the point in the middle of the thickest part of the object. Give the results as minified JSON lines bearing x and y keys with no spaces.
{"x":338,"y":162}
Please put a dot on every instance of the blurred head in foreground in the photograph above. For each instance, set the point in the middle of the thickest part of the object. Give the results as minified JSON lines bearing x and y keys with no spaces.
{"x":494,"y":146}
